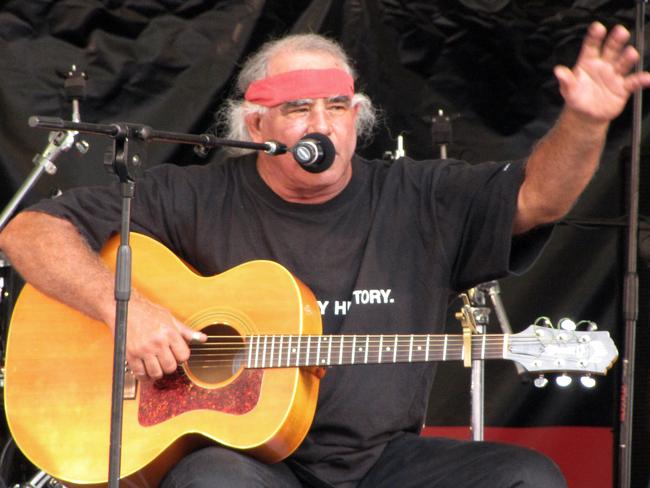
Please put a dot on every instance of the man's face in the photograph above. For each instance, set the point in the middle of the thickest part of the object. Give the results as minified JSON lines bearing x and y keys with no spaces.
{"x":290,"y":121}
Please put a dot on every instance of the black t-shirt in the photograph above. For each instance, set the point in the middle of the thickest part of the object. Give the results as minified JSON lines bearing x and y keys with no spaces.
{"x":381,"y":257}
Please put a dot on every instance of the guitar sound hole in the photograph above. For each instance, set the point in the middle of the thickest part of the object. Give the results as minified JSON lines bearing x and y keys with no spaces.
{"x":220,"y":357}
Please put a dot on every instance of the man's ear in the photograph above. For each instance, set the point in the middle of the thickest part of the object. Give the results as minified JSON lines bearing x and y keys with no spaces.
{"x":253,"y":125}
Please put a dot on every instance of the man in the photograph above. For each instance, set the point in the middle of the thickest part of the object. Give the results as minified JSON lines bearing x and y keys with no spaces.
{"x":414,"y":231}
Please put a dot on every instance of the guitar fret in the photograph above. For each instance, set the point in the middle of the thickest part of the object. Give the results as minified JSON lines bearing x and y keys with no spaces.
{"x":483,"y":347}
{"x":444,"y":349}
{"x":308,"y":348}
{"x":411,"y":349}
{"x":257,"y":350}
{"x":426,"y":354}
{"x":395,"y":348}
{"x":341,"y":342}
{"x":272,"y":351}
{"x":381,"y":341}
{"x":329,"y":350}
{"x":365,"y":358}
{"x":289,"y":352}
{"x":279,"y":362}
{"x":264,"y":351}
{"x":354,"y":341}
{"x":298,"y":350}
{"x":318,"y":351}
{"x":251,"y":339}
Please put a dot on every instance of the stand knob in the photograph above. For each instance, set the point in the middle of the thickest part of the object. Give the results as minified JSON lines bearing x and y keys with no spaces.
{"x":82,"y":146}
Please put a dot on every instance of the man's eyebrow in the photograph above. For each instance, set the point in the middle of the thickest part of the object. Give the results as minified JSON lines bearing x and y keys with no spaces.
{"x":309,"y":101}
{"x":339,"y":99}
{"x":297,"y":103}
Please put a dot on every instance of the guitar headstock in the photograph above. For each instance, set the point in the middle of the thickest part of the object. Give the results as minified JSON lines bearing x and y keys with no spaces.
{"x":542,"y":349}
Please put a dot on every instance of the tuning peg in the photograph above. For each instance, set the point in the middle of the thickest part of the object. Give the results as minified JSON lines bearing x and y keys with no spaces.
{"x":543,"y":322}
{"x":588,"y":381}
{"x":541,"y":381}
{"x":563,"y":380}
{"x":567,"y":324}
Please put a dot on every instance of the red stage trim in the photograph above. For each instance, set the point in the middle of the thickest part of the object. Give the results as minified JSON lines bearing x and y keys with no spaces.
{"x":584,"y":454}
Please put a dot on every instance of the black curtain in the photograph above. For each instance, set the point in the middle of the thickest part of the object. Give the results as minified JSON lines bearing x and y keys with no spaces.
{"x":486,"y":64}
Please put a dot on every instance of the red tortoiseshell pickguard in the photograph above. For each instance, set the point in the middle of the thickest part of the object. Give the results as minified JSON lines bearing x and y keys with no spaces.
{"x":175,"y":394}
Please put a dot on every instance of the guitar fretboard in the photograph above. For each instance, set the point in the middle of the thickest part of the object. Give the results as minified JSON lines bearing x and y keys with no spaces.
{"x":281,"y":351}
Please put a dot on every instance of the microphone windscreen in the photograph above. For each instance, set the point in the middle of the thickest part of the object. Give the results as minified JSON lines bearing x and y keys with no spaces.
{"x":324,"y":160}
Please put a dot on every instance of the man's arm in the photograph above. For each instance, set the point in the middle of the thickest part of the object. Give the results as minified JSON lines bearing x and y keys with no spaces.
{"x":595,"y":92}
{"x":51,"y":255}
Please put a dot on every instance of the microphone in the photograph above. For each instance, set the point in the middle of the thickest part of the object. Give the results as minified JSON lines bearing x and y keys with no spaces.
{"x":314,"y":153}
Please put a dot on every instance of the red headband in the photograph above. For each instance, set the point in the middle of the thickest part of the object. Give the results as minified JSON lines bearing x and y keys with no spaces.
{"x":298,"y":84}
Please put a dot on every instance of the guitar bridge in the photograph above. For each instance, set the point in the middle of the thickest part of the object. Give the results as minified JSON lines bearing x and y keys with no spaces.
{"x":130,"y":384}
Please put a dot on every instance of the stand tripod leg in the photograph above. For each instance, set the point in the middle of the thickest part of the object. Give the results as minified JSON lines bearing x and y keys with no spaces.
{"x":40,"y":480}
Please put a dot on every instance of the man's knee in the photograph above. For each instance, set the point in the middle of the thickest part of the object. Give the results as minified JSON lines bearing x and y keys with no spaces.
{"x":526,"y":468}
{"x":216,"y":466}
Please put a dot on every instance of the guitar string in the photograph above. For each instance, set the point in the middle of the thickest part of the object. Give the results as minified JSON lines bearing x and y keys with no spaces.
{"x":567,"y":364}
{"x":362,"y":344}
{"x":371,"y":347}
{"x":373,"y":354}
{"x":361,"y":339}
{"x":214,"y":352}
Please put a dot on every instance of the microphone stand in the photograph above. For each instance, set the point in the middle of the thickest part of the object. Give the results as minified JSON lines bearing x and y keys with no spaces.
{"x":631,"y":283}
{"x":126,"y":158}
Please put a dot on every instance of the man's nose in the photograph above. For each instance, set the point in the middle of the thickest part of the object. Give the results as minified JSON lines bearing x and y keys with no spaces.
{"x":319,"y":120}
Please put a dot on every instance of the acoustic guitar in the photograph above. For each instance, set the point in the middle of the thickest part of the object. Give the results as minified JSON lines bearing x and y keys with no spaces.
{"x":249,"y":387}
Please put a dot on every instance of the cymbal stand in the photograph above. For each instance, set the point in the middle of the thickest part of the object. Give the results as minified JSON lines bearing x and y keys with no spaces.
{"x":58,"y":142}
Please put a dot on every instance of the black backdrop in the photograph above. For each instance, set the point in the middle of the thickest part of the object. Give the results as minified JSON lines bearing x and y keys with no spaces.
{"x":170,"y":64}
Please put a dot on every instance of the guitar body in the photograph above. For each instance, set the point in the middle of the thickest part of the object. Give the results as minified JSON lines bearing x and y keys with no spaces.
{"x":59,"y":374}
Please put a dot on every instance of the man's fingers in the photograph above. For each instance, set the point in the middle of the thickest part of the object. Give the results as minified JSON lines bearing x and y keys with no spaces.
{"x":152,"y":367}
{"x":136,"y":365}
{"x":615,"y":44}
{"x":179,"y":345}
{"x":627,"y":61}
{"x":180,"y":349}
{"x":168,"y":361}
{"x":191,"y":335}
{"x":637,"y":81}
{"x":566,"y":78}
{"x":593,"y":42}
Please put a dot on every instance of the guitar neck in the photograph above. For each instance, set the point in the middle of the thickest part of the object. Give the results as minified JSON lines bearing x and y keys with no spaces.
{"x":281,"y":351}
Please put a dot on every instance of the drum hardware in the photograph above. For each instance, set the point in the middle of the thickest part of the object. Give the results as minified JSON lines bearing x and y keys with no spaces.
{"x":400,"y":152}
{"x":40,"y":480}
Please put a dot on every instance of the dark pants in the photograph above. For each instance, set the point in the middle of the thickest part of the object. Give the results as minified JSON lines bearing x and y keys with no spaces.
{"x":408,"y":461}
